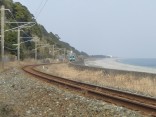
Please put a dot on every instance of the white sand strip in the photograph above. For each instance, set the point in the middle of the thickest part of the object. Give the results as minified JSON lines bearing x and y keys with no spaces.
{"x":112,"y":63}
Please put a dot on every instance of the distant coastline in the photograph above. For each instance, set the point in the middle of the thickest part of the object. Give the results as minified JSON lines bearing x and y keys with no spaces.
{"x":116,"y":63}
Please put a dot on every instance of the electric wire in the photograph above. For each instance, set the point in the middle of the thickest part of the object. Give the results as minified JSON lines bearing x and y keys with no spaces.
{"x":9,"y":48}
{"x":9,"y":17}
{"x":41,"y":9}
{"x":17,"y":26}
{"x":14,"y":18}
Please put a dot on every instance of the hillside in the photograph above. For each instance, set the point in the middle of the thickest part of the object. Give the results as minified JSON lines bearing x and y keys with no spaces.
{"x":100,"y":56}
{"x":20,"y":13}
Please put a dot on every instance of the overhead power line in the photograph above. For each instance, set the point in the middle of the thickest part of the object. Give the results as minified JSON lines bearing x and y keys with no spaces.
{"x":17,"y":23}
{"x":3,"y":22}
{"x":9,"y":48}
{"x":41,"y":8}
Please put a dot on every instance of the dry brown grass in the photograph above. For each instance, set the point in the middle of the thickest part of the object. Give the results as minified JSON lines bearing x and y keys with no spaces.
{"x":8,"y":65}
{"x":127,"y":82}
{"x":144,"y":85}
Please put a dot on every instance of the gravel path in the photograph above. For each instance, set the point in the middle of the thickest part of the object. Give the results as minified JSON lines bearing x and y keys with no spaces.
{"x":24,"y":96}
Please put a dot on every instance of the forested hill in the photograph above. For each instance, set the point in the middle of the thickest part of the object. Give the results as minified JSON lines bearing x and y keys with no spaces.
{"x":20,"y":13}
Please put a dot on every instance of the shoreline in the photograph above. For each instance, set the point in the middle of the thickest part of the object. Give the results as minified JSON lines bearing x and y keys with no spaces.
{"x":113,"y":63}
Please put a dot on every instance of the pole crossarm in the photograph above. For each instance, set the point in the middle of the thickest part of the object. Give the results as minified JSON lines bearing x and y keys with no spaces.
{"x":57,"y":50}
{"x":5,"y":10}
{"x":22,"y":26}
{"x":10,"y":48}
{"x":40,"y":47}
{"x":42,"y":44}
{"x":26,"y":37}
{"x":19,"y":22}
{"x":54,"y":50}
{"x":19,"y":27}
{"x":24,"y":42}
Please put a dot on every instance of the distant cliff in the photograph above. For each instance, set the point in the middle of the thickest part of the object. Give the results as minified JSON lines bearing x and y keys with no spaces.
{"x":100,"y":56}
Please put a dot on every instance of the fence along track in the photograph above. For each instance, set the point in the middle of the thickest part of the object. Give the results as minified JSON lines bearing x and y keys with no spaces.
{"x":140,"y":103}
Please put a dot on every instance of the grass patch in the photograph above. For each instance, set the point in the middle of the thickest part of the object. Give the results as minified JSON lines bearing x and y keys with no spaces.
{"x":144,"y":85}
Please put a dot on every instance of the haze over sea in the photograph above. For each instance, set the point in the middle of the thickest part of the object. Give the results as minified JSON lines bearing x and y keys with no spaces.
{"x":144,"y":62}
{"x":136,"y":64}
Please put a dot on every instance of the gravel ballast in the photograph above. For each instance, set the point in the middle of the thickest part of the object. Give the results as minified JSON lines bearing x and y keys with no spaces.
{"x":21,"y":95}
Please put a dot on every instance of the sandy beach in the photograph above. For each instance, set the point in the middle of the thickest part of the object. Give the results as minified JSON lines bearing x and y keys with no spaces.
{"x":112,"y":63}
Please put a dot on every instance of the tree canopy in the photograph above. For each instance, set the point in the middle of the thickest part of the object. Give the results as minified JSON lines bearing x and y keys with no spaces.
{"x":20,"y":13}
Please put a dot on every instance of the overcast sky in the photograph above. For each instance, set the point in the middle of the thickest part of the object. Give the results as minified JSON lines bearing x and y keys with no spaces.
{"x":122,"y":28}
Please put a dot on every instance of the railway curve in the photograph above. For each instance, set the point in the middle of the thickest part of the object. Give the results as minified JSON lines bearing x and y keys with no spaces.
{"x":145,"y":105}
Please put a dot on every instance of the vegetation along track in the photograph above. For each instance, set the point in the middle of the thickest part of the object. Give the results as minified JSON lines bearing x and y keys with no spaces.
{"x":135,"y":102}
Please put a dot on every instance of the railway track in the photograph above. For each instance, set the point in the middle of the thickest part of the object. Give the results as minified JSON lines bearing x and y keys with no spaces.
{"x":145,"y":105}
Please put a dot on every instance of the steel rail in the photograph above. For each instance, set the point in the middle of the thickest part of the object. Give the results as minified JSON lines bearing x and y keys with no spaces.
{"x":132,"y":101}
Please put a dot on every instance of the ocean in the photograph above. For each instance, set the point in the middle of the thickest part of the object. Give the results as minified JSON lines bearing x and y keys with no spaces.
{"x":140,"y":65}
{"x":143,"y":62}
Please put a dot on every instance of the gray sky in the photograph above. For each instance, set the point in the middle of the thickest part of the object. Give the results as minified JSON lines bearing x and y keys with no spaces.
{"x":122,"y":28}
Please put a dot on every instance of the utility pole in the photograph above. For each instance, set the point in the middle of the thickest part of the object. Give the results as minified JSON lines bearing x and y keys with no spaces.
{"x":53,"y":51}
{"x":64,"y":54}
{"x":19,"y":42}
{"x":35,"y":50}
{"x":35,"y":39}
{"x":18,"y":45}
{"x":2,"y":34}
